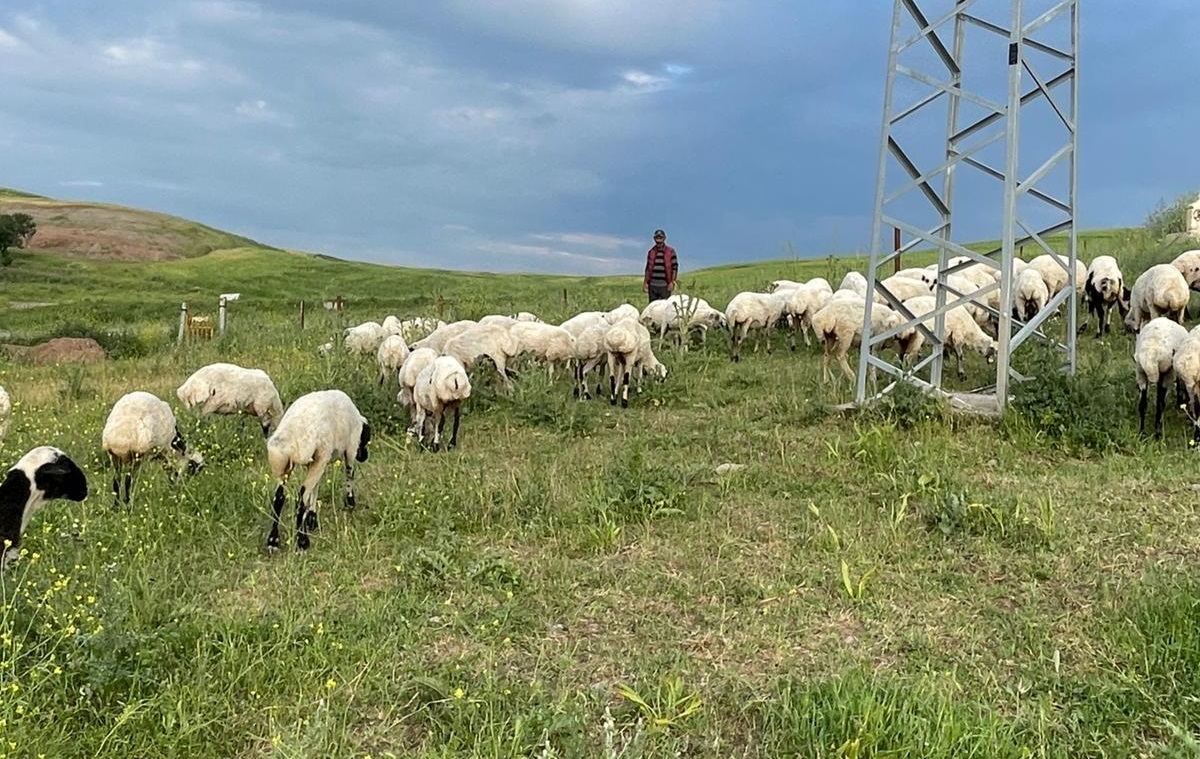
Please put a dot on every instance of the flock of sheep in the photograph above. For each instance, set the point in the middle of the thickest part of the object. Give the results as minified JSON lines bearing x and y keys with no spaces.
{"x":434,"y":370}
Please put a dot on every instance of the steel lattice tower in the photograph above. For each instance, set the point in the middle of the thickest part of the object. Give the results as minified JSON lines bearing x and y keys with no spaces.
{"x":975,"y":90}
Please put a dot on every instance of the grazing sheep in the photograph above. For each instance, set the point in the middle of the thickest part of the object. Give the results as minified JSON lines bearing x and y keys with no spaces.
{"x":364,"y":338}
{"x":418,"y":327}
{"x":316,"y":429}
{"x":589,"y":353}
{"x":749,"y":310}
{"x":623,"y":311}
{"x":417,"y":360}
{"x":391,"y":354}
{"x":43,"y":474}
{"x":581,"y":321}
{"x":442,"y":386}
{"x":490,"y":340}
{"x":960,"y":331}
{"x":800,"y":304}
{"x":5,"y":411}
{"x":854,"y":281}
{"x":1053,"y":269}
{"x":499,"y":320}
{"x":525,"y":316}
{"x":681,"y":314}
{"x":1188,"y":264}
{"x":1160,"y":291}
{"x":392,"y":326}
{"x":1186,"y":363}
{"x":1154,"y":357}
{"x":140,"y":426}
{"x":840,"y":326}
{"x":438,"y":338}
{"x":1104,"y":286}
{"x":1030,"y":294}
{"x":231,"y":389}
{"x":625,"y":342}
{"x":549,"y":343}
{"x":903,"y":288}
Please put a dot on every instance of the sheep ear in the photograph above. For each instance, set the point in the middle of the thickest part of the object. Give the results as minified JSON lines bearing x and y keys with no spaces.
{"x":61,"y":478}
{"x":364,"y":437}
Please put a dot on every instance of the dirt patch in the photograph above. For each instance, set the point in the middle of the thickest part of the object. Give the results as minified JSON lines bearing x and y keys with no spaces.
{"x":60,"y":350}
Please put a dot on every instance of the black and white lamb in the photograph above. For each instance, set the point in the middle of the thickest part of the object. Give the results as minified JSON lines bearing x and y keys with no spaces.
{"x":231,"y":389}
{"x":43,"y":474}
{"x":316,"y":429}
{"x":142,"y":426}
{"x":441,"y":387}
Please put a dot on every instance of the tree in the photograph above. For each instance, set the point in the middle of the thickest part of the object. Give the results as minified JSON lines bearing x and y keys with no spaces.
{"x":1169,"y":219}
{"x":16,"y":230}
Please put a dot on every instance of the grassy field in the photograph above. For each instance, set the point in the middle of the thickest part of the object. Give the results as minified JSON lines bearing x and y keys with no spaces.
{"x":577,"y":580}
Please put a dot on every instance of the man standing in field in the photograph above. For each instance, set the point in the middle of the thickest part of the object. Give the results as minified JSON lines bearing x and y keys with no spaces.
{"x":662,"y":267}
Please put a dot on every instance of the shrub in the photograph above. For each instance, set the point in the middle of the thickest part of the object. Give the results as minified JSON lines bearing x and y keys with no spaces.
{"x":1169,"y":219}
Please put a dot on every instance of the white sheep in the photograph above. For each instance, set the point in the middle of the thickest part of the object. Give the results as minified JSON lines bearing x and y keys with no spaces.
{"x":5,"y":411}
{"x":1188,"y":264}
{"x":526,"y":316}
{"x":623,"y":311}
{"x":1030,"y":294}
{"x":43,"y":474}
{"x":1103,"y":287}
{"x":438,"y":338}
{"x":625,"y":341}
{"x":223,"y":388}
{"x":854,"y":281}
{"x":490,"y":340}
{"x":364,"y":338}
{"x":441,"y":387}
{"x":549,"y":343}
{"x":589,"y":353}
{"x":581,"y":321}
{"x":681,"y":314}
{"x":1186,"y":363}
{"x":318,"y":428}
{"x":1053,"y":269}
{"x":1154,"y":358}
{"x":960,"y":331}
{"x":390,"y":356}
{"x":141,"y":426}
{"x":1160,"y":291}
{"x":499,"y":320}
{"x":750,"y":310}
{"x":840,"y":324}
{"x":418,"y":327}
{"x":417,"y":360}
{"x":903,"y":288}
{"x":799,"y":306}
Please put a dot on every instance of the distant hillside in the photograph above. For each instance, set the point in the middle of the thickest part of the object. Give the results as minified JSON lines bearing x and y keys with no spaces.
{"x":115,"y":233}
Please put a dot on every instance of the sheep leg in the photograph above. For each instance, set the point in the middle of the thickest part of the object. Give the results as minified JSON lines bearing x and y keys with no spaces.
{"x":1194,"y":413}
{"x":277,"y":507}
{"x":439,"y":419}
{"x":846,"y":366}
{"x":1160,"y":400}
{"x":625,"y":385}
{"x":958,"y":356}
{"x":350,"y":502}
{"x":116,"y":485}
{"x":1142,"y":401}
{"x":306,"y":502}
{"x":454,"y":427}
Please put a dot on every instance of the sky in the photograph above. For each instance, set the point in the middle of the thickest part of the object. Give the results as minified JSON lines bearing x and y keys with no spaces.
{"x":534,"y":135}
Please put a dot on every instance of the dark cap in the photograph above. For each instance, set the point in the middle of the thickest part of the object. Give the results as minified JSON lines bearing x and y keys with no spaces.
{"x":659,"y":233}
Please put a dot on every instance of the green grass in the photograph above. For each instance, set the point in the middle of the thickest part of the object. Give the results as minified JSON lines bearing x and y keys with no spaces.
{"x":577,"y":580}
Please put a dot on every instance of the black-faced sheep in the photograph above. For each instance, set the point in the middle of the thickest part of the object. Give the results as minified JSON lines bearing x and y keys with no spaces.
{"x":1104,"y":287}
{"x":1154,"y":357}
{"x":141,"y":426}
{"x":316,"y":429}
{"x":1159,"y":291}
{"x":43,"y":474}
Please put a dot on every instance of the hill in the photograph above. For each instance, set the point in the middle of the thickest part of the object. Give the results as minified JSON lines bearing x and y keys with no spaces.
{"x":115,"y":233}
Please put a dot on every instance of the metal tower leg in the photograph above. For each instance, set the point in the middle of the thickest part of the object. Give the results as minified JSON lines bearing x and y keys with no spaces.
{"x":979,"y":89}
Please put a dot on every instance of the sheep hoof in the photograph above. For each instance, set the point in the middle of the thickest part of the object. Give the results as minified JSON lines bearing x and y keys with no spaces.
{"x":302,"y":543}
{"x":624,"y":403}
{"x":310,"y":521}
{"x":273,"y":543}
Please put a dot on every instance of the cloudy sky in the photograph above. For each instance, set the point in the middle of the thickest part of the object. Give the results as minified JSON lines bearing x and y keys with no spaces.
{"x":530,"y":135}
